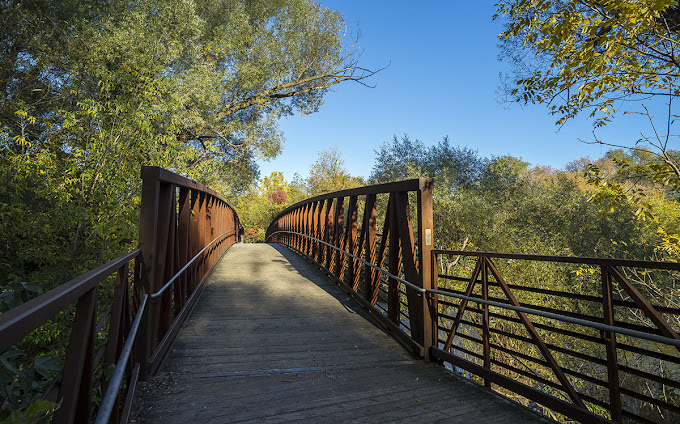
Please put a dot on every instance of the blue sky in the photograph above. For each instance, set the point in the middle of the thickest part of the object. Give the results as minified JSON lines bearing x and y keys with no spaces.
{"x":442,"y":80}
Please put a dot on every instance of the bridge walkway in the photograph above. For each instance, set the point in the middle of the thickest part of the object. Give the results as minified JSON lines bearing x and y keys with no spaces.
{"x":274,"y":340}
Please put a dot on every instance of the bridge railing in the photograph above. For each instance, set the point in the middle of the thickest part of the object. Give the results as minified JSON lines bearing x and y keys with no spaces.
{"x":184,"y":228}
{"x":576,"y":335}
{"x":340,"y":232}
{"x":85,"y":356}
{"x":581,"y":336}
{"x":180,"y":220}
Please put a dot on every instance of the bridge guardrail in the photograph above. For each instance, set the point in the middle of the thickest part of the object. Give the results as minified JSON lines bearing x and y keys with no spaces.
{"x":593,"y":346}
{"x":404,"y":211}
{"x":179,"y":217}
{"x":558,"y":348}
{"x":74,"y":385}
{"x":184,"y":229}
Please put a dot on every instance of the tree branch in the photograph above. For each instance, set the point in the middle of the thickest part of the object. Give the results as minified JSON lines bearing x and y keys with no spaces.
{"x":291,"y":89}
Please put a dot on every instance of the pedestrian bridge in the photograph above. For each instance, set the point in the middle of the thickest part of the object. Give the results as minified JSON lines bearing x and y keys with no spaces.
{"x":350,"y":314}
{"x":272,"y":339}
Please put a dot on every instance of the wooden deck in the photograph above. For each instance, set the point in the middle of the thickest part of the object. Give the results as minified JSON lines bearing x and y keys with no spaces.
{"x":273,"y":340}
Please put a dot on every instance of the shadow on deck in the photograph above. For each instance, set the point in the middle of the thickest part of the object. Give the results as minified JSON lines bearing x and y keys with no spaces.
{"x":274,"y":340}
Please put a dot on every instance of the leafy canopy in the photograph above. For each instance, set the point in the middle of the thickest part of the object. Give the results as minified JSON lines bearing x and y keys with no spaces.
{"x":329,"y":174}
{"x":92,"y":90}
{"x":596,"y":56}
{"x":580,"y":55}
{"x":404,"y":158}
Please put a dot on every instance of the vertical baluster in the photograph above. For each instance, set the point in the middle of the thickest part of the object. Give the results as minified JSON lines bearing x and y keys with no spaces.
{"x":485,"y":319}
{"x":328,"y":233}
{"x":166,"y":255}
{"x":393,"y":302}
{"x":148,"y":233}
{"x":351,"y":239}
{"x":76,"y":385}
{"x":609,"y":338}
{"x":409,"y":262}
{"x":202,"y":236}
{"x":307,"y":225}
{"x":117,"y":328}
{"x":298,"y":227}
{"x":210,"y":231}
{"x":380,"y":260}
{"x":370,"y":274}
{"x":320,"y":231}
{"x":183,"y":223}
{"x":339,"y":257}
{"x":316,"y":211}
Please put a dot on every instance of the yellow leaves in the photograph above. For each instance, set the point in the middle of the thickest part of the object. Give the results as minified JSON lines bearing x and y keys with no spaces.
{"x":22,"y":141}
{"x":589,"y":51}
{"x":669,"y":243}
{"x":25,"y":116}
{"x":584,"y":270}
{"x":275,"y":181}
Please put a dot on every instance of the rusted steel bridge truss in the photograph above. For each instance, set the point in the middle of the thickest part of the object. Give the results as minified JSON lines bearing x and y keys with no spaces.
{"x":574,"y":349}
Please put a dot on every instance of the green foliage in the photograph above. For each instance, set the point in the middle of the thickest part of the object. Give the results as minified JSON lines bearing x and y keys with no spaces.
{"x":592,"y":56}
{"x":36,"y":411}
{"x":328,"y":174}
{"x":587,"y":55}
{"x":399,"y":160}
{"x":23,"y":385}
{"x":16,"y":293}
{"x":646,"y":183}
{"x":91,"y":91}
{"x":275,"y":181}
{"x":256,"y":210}
{"x":405,"y":158}
{"x":23,"y":381}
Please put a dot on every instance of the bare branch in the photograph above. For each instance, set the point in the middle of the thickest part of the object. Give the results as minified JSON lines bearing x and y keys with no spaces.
{"x":300,"y":87}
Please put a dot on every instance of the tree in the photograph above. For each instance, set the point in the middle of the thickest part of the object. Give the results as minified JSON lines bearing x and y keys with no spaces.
{"x":503,"y":173}
{"x":92,"y":90}
{"x":405,"y":158}
{"x":211,"y":77}
{"x":399,"y":160}
{"x":589,"y":54}
{"x":329,"y":174}
{"x":274,"y":181}
{"x":455,"y":167}
{"x":275,"y":188}
{"x":584,"y":55}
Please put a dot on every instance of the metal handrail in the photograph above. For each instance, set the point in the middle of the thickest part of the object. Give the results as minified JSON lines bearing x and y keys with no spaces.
{"x":106,"y":408}
{"x":413,"y":286}
{"x":675,"y":266}
{"x":172,"y":280}
{"x":20,"y":321}
{"x":563,"y":318}
{"x":108,"y":403}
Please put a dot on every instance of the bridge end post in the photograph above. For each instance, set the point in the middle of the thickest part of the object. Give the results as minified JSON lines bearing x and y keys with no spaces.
{"x":425,"y":246}
{"x":148,"y":233}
